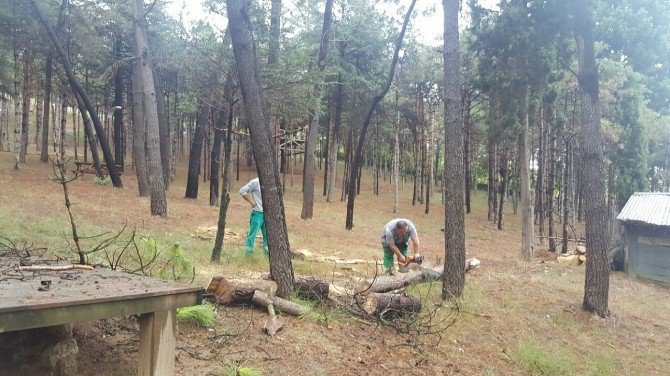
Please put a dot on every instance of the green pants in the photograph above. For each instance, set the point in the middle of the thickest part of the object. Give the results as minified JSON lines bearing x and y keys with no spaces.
{"x":256,"y":222}
{"x":388,"y":254}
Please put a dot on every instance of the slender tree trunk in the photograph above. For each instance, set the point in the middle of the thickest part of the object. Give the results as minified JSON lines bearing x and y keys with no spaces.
{"x":25,"y":105}
{"x":551,"y":174}
{"x":396,"y":157}
{"x":358,"y":158}
{"x":215,"y":162}
{"x":492,"y":168}
{"x":17,"y":110}
{"x":334,"y":140}
{"x":74,"y":83}
{"x":225,"y":188}
{"x":118,"y":102}
{"x":39,"y":111}
{"x":466,"y":152}
{"x":163,"y":127}
{"x":310,"y":145}
{"x":541,"y":172}
{"x":503,"y":187}
{"x":565,"y":193}
{"x":281,"y":268}
{"x":524,"y":171}
{"x":139,"y":130}
{"x":453,"y":279}
{"x":88,"y":131}
{"x":194,"y":152}
{"x":63,"y":126}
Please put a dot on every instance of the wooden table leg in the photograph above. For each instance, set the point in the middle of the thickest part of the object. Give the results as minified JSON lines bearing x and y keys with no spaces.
{"x":157,"y":343}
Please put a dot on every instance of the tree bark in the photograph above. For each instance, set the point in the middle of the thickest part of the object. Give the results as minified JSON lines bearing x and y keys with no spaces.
{"x":163,"y":126}
{"x":596,"y":284}
{"x":281,"y":268}
{"x":118,"y":102}
{"x":225,"y":188}
{"x":74,"y":83}
{"x":358,"y":158}
{"x":88,"y":132}
{"x":139,"y":130}
{"x":551,"y":173}
{"x":453,"y":280}
{"x":155,"y":165}
{"x":524,"y":172}
{"x":310,"y":145}
{"x":195,"y":150}
{"x":334,"y":140}
{"x":17,"y":109}
{"x":396,"y":157}
{"x":215,"y":158}
{"x":25,"y":105}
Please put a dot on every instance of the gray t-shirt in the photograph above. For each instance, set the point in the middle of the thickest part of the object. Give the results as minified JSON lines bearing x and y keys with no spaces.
{"x":389,"y":236}
{"x":254,"y":187}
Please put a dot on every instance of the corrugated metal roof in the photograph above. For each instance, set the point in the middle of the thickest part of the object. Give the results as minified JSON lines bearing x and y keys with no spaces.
{"x":647,"y":207}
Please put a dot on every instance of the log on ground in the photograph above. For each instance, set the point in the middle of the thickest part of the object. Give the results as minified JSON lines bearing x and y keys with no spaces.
{"x":391,"y":305}
{"x":262,"y":299}
{"x":229,"y":291}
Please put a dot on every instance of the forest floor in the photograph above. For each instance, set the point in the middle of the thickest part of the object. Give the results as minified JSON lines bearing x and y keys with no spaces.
{"x":514,"y":318}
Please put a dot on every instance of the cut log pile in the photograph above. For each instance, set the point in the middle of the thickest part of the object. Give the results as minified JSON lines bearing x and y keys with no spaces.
{"x":575,"y":258}
{"x":382,"y":297}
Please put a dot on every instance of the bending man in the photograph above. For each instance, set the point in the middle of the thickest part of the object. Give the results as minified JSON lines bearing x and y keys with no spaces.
{"x":395,"y":238}
{"x":252,"y":194}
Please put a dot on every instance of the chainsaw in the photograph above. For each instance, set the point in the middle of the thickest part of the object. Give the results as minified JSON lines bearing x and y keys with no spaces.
{"x":419,"y":260}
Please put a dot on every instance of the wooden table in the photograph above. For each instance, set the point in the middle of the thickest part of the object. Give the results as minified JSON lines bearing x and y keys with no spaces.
{"x":38,"y":299}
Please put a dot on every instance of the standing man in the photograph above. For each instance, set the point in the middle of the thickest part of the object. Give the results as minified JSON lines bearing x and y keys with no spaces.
{"x":395,"y":238}
{"x":252,"y":194}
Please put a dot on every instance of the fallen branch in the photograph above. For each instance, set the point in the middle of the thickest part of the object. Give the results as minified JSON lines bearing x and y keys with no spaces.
{"x":57,"y":268}
{"x":262,"y":299}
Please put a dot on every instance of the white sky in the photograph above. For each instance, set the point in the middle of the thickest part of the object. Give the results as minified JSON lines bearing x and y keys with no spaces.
{"x":429,"y":26}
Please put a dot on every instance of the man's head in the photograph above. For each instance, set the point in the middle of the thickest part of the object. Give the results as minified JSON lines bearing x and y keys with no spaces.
{"x":401,"y":228}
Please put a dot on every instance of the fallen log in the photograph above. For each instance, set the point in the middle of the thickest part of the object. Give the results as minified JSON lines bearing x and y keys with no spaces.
{"x":387,"y":283}
{"x":391,"y":305}
{"x":230,"y":291}
{"x":314,"y":288}
{"x":262,"y":299}
{"x":47,"y":268}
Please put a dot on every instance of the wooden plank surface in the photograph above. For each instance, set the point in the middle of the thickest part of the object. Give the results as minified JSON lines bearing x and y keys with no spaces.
{"x":28,"y":291}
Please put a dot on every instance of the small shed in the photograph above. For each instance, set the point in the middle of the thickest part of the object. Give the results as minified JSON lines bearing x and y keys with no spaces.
{"x":646,"y":221}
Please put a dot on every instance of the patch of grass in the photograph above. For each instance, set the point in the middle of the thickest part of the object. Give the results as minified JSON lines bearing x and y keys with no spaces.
{"x":236,"y":369}
{"x":566,"y":321}
{"x":601,"y":366}
{"x":103,"y":182}
{"x":201,"y":315}
{"x":538,"y":360}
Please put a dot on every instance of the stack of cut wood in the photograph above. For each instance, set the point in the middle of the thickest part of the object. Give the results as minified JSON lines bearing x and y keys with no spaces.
{"x":576,"y":257}
{"x":381,"y":297}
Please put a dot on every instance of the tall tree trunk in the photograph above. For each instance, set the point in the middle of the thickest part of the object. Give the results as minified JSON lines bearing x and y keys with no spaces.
{"x":503,"y":165}
{"x":281,"y":268}
{"x":76,"y":87}
{"x":596,"y":284}
{"x":39,"y":111}
{"x":225,"y":188}
{"x":194,"y":152}
{"x":396,"y":157}
{"x":163,"y":127}
{"x":334,"y":140}
{"x":63,"y":126}
{"x":17,"y":109}
{"x":118,"y":103}
{"x":524,"y":172}
{"x":541,"y":172}
{"x":310,"y":145}
{"x":156,"y":166}
{"x":551,"y":172}
{"x":139,"y":130}
{"x":25,"y":105}
{"x":466,"y":152}
{"x":358,"y":158}
{"x":215,"y":158}
{"x":565,"y":192}
{"x":453,"y":279}
{"x":492,"y":167}
{"x":88,"y":131}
